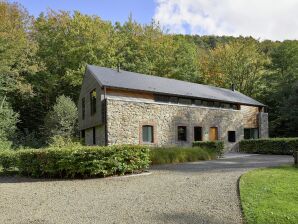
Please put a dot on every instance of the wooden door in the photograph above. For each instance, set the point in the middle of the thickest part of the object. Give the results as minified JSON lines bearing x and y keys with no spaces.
{"x":213,"y":134}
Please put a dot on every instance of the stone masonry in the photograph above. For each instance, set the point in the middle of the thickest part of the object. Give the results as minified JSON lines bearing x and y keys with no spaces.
{"x":125,"y":119}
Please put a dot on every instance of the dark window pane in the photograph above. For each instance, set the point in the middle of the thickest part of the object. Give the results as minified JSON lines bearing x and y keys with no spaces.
{"x":246,"y":133}
{"x":251,"y":133}
{"x":93,"y":102}
{"x":181,"y":133}
{"x":205,"y":103}
{"x":94,"y":136}
{"x":254,"y":133}
{"x":216,"y":104}
{"x":147,"y":131}
{"x":197,"y":133}
{"x":231,"y":136}
{"x":210,"y":103}
{"x":184,"y":101}
{"x":83,"y":108}
{"x":161,"y":98}
{"x":173,"y":99}
{"x":198,"y":102}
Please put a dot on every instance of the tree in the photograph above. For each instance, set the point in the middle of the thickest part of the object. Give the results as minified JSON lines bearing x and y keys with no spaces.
{"x":62,"y":119}
{"x":281,"y":94}
{"x":240,"y":62}
{"x":8,"y":121}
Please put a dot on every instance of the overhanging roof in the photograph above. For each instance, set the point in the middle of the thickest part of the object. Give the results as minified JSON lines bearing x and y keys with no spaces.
{"x":135,"y":81}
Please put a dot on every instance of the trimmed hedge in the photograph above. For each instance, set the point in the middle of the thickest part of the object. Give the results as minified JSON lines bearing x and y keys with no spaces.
{"x":217,"y":146}
{"x":81,"y":161}
{"x":8,"y":160}
{"x":281,"y":146}
{"x":180,"y":155}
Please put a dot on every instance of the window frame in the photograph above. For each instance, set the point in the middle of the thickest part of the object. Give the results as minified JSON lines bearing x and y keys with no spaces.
{"x":232,"y":139}
{"x":178,"y":136}
{"x":251,"y":133}
{"x":194,"y":134}
{"x":152,"y":134}
{"x":93,"y":102}
{"x":83,"y":108}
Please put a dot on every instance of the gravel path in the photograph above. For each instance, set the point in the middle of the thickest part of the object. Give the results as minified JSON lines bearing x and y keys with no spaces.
{"x":201,"y":192}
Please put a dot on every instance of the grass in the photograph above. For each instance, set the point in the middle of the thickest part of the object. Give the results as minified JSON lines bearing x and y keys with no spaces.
{"x":180,"y":154}
{"x":270,"y":195}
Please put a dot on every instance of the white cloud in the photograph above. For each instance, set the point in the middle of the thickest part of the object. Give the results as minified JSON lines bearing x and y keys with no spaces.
{"x":265,"y":19}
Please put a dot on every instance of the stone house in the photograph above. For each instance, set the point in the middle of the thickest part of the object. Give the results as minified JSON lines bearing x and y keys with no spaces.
{"x":120,"y":107}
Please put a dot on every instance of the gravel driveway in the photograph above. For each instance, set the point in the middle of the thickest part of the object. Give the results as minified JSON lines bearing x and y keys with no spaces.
{"x":200,"y":192}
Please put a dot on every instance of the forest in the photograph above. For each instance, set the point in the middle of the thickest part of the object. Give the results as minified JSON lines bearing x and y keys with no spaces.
{"x":42,"y":62}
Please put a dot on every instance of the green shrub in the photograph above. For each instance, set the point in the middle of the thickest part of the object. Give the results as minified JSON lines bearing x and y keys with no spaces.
{"x":180,"y":155}
{"x":281,"y":146}
{"x":83,"y":161}
{"x":8,"y":159}
{"x":217,"y":146}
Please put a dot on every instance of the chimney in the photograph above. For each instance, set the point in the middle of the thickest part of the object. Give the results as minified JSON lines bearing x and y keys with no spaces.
{"x":233,"y":87}
{"x":118,"y":68}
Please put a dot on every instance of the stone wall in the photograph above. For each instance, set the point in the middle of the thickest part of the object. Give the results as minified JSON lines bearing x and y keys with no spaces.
{"x":125,"y":119}
{"x":263,"y":125}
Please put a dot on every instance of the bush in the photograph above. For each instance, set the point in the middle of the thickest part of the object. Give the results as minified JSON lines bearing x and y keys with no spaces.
{"x":281,"y":146}
{"x":180,"y":155}
{"x":82,"y":161}
{"x":62,"y":120}
{"x":217,"y":146}
{"x":8,"y":159}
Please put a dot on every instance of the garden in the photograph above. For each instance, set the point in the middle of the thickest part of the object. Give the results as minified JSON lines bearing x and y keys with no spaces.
{"x":269,"y":195}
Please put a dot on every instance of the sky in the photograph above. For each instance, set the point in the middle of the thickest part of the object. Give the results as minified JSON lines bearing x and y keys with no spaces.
{"x":262,"y":19}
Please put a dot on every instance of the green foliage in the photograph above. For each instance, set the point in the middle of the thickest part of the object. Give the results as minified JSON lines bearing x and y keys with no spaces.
{"x":240,"y":62}
{"x":8,"y":159}
{"x":216,"y":146}
{"x":62,"y":119}
{"x":281,"y":146}
{"x":82,"y":161}
{"x":270,"y":196}
{"x":45,"y":57}
{"x":8,"y":121}
{"x":180,"y":155}
{"x":281,"y":94}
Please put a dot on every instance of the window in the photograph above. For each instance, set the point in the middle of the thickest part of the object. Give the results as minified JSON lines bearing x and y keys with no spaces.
{"x":94,"y":135}
{"x":83,"y":108}
{"x":184,"y":101}
{"x":93,"y":101}
{"x":197,"y":102}
{"x":173,"y":99}
{"x":231,"y":136}
{"x":197,"y":133}
{"x":182,"y":133}
{"x":251,"y":133}
{"x":161,"y":98}
{"x":210,"y":103}
{"x":204,"y":103}
{"x":83,"y":134}
{"x":147,"y":133}
{"x":217,"y":104}
{"x":213,"y":134}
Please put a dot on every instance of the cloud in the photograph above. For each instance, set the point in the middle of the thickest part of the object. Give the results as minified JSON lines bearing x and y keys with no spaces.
{"x":264,"y":19}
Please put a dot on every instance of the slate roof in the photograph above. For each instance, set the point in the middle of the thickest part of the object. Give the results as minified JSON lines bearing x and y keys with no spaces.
{"x":135,"y":81}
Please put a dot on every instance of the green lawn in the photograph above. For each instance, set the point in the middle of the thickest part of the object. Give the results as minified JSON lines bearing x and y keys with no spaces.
{"x":270,"y":195}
